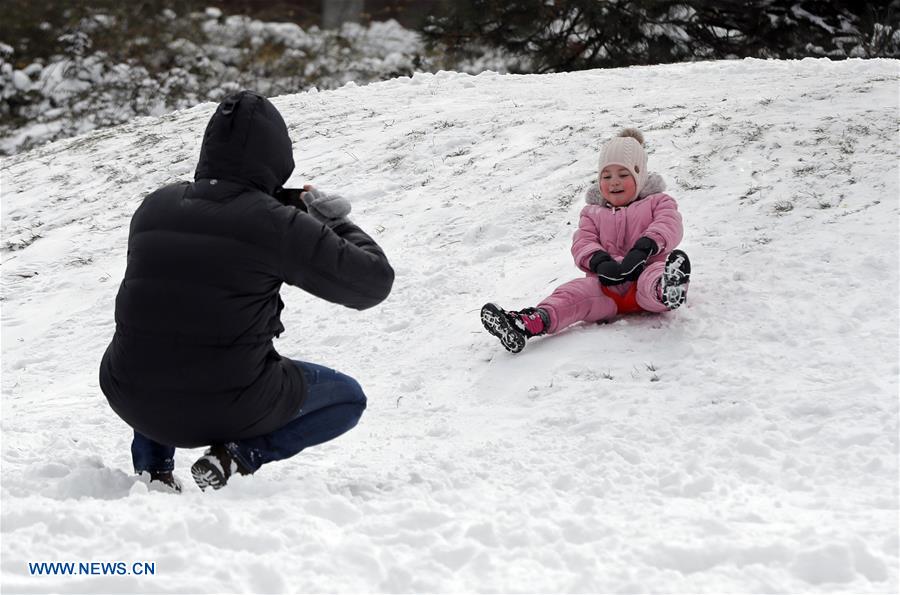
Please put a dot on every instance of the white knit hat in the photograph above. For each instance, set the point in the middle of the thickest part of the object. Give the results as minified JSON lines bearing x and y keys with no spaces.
{"x":627,"y":150}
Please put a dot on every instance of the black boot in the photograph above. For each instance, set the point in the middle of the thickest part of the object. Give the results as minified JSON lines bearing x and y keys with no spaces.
{"x":673,"y":284}
{"x":215,"y":467}
{"x":165,"y":481}
{"x":512,"y":327}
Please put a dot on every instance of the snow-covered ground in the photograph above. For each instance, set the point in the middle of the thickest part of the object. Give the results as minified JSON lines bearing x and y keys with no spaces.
{"x":745,"y":443}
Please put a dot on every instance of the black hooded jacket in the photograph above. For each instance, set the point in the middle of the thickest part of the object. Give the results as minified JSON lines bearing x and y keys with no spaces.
{"x":192,"y":361}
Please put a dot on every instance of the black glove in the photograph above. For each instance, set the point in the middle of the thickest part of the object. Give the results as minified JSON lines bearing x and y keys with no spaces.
{"x":633,"y":263}
{"x":606,"y":268}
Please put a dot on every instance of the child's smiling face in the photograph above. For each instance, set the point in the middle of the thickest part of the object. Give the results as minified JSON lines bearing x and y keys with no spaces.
{"x":617,"y":185}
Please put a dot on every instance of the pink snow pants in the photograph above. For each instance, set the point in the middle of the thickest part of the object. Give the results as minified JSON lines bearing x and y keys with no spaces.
{"x":584,"y":300}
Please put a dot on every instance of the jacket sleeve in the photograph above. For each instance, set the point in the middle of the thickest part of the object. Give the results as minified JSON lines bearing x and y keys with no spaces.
{"x":665,"y":229}
{"x":341,"y":264}
{"x":586,"y":240}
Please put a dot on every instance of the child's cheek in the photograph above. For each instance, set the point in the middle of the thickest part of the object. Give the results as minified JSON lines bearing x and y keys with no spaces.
{"x":604,"y":189}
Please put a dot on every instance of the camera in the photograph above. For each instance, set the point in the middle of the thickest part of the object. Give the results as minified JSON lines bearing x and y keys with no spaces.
{"x":290,"y":197}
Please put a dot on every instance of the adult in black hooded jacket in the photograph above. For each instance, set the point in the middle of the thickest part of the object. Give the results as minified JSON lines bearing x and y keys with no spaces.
{"x":192,"y":361}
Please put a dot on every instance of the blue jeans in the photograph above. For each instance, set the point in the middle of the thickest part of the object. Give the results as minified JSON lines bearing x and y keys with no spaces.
{"x":334,"y":403}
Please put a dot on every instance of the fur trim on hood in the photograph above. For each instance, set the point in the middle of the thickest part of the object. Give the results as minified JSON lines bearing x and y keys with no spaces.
{"x":654,"y":185}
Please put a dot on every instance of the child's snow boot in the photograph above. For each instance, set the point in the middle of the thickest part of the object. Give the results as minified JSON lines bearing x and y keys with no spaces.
{"x":512,"y":327}
{"x":215,"y":467}
{"x":673,"y":284}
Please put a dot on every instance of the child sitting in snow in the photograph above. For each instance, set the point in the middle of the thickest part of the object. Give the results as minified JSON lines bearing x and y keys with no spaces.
{"x":625,"y":243}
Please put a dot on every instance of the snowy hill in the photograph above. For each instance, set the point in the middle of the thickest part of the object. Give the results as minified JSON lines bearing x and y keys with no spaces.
{"x":745,"y":443}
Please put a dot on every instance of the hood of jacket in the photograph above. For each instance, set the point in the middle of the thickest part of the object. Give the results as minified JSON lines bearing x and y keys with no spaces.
{"x":246,"y":141}
{"x":654,"y":185}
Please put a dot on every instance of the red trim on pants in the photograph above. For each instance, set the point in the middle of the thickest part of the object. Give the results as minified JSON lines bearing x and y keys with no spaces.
{"x":625,"y":304}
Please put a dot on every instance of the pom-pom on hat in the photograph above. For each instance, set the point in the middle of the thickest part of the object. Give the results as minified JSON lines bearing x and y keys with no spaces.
{"x":627,"y":150}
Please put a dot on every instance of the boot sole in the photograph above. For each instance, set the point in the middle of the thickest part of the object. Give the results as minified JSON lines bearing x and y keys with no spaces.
{"x":207,"y":475}
{"x":495,"y":322}
{"x":676,"y":274}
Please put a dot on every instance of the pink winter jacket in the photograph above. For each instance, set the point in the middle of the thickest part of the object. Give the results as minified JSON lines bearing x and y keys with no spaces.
{"x":615,"y":229}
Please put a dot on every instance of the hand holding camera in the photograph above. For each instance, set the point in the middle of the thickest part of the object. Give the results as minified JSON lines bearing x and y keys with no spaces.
{"x":325,"y":207}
